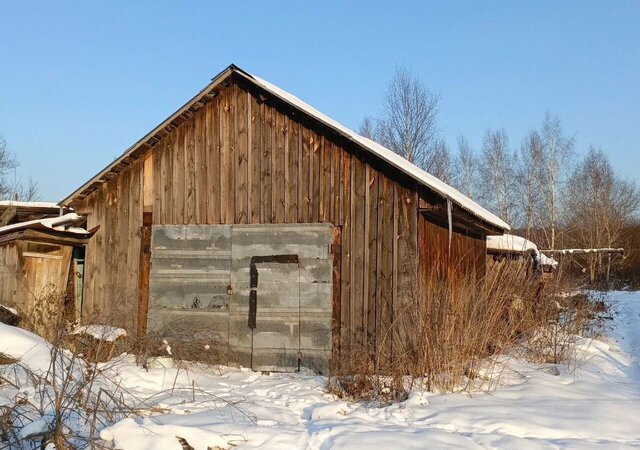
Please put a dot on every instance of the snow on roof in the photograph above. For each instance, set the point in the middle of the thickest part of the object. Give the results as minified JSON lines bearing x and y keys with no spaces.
{"x":579,"y":251}
{"x":510,"y":243}
{"x":19,"y":204}
{"x":389,"y":156}
{"x":384,"y":153}
{"x":61,"y":223}
{"x":517,"y":244}
{"x":544,"y":260}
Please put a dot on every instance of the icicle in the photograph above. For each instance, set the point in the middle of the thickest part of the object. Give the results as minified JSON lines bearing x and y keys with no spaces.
{"x":450,"y":223}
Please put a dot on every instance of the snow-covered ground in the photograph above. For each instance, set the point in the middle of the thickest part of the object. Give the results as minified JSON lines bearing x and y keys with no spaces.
{"x":594,"y":403}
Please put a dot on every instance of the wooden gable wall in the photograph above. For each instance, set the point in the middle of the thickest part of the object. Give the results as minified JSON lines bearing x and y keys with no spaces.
{"x":245,"y":158}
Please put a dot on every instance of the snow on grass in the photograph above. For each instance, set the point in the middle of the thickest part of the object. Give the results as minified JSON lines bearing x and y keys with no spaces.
{"x":592,"y":403}
{"x":101,"y":332}
{"x":32,"y":350}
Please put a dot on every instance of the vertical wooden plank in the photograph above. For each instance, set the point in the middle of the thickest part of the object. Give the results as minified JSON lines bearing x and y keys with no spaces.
{"x":366,"y":330}
{"x":213,"y":162}
{"x":372,"y":273}
{"x":201,"y":166}
{"x":167,"y":182}
{"x":407,"y":261}
{"x":255,"y":157}
{"x":393,"y":335}
{"x":227,"y":157}
{"x":292,"y":180}
{"x":346,"y":336}
{"x":266,"y":181}
{"x":121,"y":236}
{"x":112,"y":227}
{"x":134,"y":227}
{"x":326,"y":181}
{"x":190,"y":180}
{"x":358,"y":246}
{"x":242,"y":150}
{"x":315,"y":169}
{"x":156,"y":157}
{"x":336,"y":185}
{"x":147,"y":181}
{"x":178,"y":176}
{"x":303,"y":176}
{"x":279,"y":169}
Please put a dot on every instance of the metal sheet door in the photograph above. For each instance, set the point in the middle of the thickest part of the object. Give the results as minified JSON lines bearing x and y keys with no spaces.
{"x":292,"y":296}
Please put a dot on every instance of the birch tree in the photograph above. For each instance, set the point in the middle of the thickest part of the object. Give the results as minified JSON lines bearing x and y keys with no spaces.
{"x":528,"y":183}
{"x":557,"y":151}
{"x":466,"y":168}
{"x":369,"y":128}
{"x":601,"y":205}
{"x":497,"y":175}
{"x":441,"y":161}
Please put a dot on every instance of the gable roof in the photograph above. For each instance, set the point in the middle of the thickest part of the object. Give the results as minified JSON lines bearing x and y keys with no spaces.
{"x":421,"y":176}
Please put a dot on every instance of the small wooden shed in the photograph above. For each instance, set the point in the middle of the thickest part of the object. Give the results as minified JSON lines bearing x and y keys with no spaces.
{"x":41,"y":262}
{"x":518,"y":257}
{"x":250,"y":217}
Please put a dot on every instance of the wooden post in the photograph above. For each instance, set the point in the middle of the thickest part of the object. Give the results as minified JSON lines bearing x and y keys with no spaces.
{"x":145,"y":269}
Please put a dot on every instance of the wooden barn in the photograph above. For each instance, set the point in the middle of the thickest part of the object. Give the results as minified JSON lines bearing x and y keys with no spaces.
{"x":248,"y":217}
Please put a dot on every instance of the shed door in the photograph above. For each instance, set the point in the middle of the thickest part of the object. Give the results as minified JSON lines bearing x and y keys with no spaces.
{"x":293,"y":296}
{"x":201,"y":291}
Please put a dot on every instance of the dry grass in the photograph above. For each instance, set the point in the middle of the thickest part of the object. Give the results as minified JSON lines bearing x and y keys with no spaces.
{"x":449,"y":335}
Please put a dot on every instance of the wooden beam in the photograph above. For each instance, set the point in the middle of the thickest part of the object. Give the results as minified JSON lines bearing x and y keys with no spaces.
{"x":8,"y":215}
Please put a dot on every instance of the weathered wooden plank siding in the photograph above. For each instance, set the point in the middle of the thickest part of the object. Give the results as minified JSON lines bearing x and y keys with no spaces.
{"x":26,"y":279}
{"x":241,"y":159}
{"x":11,"y":274}
{"x":466,"y":258}
{"x":112,"y":255}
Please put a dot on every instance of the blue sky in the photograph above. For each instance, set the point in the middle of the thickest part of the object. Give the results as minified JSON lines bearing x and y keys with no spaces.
{"x":81,"y":81}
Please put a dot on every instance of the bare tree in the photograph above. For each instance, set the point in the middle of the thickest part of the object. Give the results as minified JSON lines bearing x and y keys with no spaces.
{"x":600,"y":209}
{"x":369,"y":128}
{"x":466,"y":168}
{"x":408,"y":125}
{"x":441,"y":161}
{"x":7,"y":164}
{"x":14,"y":188}
{"x":557,"y":151}
{"x":528,"y":182}
{"x":497,"y":174}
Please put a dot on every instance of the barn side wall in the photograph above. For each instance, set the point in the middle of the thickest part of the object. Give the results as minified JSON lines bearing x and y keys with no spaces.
{"x":464,"y":257}
{"x":241,"y":160}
